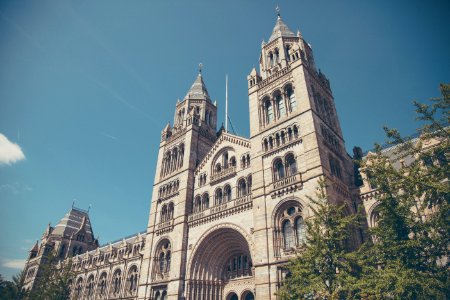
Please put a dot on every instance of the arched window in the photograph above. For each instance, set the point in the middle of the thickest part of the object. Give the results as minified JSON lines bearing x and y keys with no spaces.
{"x":225,"y":160}
{"x":218,"y":168}
{"x":266,"y":145}
{"x":288,"y":235}
{"x":90,"y":286}
{"x":116,"y":282}
{"x":242,"y":188}
{"x":291,"y":96}
{"x":164,"y":295}
{"x":164,"y":213}
{"x":295,"y":131}
{"x":167,"y":262}
{"x":277,"y":56}
{"x":163,"y":259}
{"x":249,"y":184}
{"x":218,"y":196}
{"x":161,"y":262}
{"x":197,"y":204}
{"x":269,"y":111}
{"x":280,"y":105}
{"x":270,"y":142}
{"x":300,"y":231}
{"x":132,"y":280}
{"x":227,"y":193}
{"x":287,"y":52}
{"x":291,"y":165}
{"x":289,"y":134}
{"x":270,"y":59}
{"x":278,"y":169}
{"x":277,"y":139}
{"x":205,"y":202}
{"x":233,"y":161}
{"x":101,"y":290}
{"x":170,"y":211}
{"x":79,"y":288}
{"x":62,"y":250}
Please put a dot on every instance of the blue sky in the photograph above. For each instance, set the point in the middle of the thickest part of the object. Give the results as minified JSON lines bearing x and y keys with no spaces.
{"x":87,"y":86}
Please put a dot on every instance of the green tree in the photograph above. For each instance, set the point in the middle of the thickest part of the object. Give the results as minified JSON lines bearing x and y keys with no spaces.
{"x":325,"y":269}
{"x":12,"y":290}
{"x":53,"y":280}
{"x":408,"y":259}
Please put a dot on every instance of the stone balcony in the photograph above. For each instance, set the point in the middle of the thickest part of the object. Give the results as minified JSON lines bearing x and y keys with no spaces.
{"x":221,"y":210}
{"x":225,"y":173}
{"x":287,"y":184}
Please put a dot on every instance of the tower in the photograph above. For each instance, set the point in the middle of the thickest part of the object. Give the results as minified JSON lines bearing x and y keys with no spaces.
{"x":296,"y":140}
{"x":73,"y":235}
{"x":181,"y":148}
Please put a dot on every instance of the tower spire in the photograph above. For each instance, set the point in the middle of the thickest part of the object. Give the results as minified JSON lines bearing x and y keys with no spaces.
{"x":278,"y":11}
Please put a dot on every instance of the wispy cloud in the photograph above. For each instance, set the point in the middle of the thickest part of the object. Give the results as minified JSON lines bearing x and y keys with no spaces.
{"x":9,"y":152}
{"x":12,"y":263}
{"x":15,"y":188}
{"x":108,"y":135}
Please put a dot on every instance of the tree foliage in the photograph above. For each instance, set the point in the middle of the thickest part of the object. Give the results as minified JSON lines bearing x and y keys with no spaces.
{"x":12,"y":290}
{"x":325,"y":269}
{"x":407,"y":256}
{"x":408,"y":259}
{"x":53,"y":280}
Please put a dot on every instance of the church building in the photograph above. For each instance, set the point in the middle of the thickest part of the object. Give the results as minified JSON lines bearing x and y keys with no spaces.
{"x":227,"y":212}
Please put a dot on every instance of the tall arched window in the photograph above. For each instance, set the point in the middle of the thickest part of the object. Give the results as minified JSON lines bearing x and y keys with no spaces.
{"x":300,"y":231}
{"x":291,"y":96}
{"x":79,"y":288}
{"x":163,"y":259}
{"x":291,"y":165}
{"x":249,"y":184}
{"x":227,"y":193}
{"x":116,"y":282}
{"x":218,"y":196}
{"x":132,"y":280}
{"x":288,"y":235}
{"x":197,"y":204}
{"x":101,"y":290}
{"x":278,"y":169}
{"x":205,"y":202}
{"x":270,"y":59}
{"x":170,"y":211}
{"x":268,"y":111}
{"x":161,"y":262}
{"x":167,"y":262}
{"x":164,"y":213}
{"x":242,"y":188}
{"x":277,"y":56}
{"x":90,"y":286}
{"x":280,"y":105}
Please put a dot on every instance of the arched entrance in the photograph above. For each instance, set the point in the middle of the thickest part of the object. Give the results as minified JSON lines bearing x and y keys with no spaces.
{"x":220,"y":261}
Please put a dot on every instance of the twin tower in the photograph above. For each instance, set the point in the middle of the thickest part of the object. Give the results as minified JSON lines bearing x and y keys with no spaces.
{"x":228,"y":212}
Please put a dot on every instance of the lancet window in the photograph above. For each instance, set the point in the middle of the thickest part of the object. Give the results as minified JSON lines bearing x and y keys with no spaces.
{"x":90,"y":286}
{"x":162,"y":259}
{"x":172,"y":160}
{"x":116,"y":282}
{"x":290,"y":230}
{"x":132,"y":280}
{"x":101,"y":289}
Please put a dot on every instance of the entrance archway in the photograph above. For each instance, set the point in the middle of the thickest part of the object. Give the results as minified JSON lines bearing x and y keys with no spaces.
{"x":221,"y":258}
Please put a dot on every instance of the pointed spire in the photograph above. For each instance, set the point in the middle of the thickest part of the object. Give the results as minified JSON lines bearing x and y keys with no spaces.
{"x":198,"y":89}
{"x":280,"y":29}
{"x":35,"y":247}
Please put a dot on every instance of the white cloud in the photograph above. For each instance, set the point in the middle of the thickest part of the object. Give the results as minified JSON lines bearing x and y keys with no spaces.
{"x":9,"y":152}
{"x":13,"y":263}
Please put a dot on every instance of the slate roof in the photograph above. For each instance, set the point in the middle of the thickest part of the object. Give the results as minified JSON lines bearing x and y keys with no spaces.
{"x":72,"y":222}
{"x":280,"y":30}
{"x":198,"y":90}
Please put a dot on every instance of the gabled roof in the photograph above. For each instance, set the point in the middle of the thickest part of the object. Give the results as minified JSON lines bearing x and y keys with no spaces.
{"x":224,"y":137}
{"x":198,"y":90}
{"x":72,"y":222}
{"x":280,"y":30}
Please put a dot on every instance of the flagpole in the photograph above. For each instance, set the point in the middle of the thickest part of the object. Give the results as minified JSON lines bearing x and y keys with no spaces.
{"x":226,"y":103}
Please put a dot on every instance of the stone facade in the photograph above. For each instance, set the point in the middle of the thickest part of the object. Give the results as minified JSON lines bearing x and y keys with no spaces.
{"x":227,"y":212}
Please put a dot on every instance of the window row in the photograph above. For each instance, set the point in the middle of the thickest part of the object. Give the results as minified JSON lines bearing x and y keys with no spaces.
{"x":273,"y":57}
{"x":224,"y":162}
{"x":99,"y":289}
{"x":245,"y":161}
{"x":324,"y":107}
{"x":222,"y":195}
{"x":276,"y":106}
{"x":167,"y":212}
{"x":330,"y":138}
{"x":280,"y":138}
{"x":335,"y":167}
{"x":238,"y":266}
{"x":169,"y":188}
{"x":284,"y":167}
{"x":172,"y":160}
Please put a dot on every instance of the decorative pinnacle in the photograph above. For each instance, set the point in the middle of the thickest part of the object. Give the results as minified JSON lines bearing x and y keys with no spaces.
{"x":200,"y":67}
{"x":278,"y":11}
